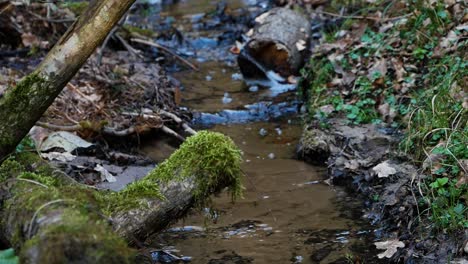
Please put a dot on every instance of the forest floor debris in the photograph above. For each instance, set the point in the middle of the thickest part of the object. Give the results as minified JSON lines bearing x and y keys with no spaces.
{"x":400,"y":66}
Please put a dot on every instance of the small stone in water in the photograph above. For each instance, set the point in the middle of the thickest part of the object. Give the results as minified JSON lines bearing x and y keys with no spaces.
{"x":271,"y":156}
{"x":263,"y":132}
{"x":236,"y":76}
{"x":226,"y":99}
{"x":299,"y":259}
{"x":278,"y":131}
{"x":253,"y":88}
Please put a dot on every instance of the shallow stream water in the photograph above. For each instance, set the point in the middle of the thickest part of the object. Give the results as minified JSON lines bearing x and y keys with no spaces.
{"x":288,"y":213}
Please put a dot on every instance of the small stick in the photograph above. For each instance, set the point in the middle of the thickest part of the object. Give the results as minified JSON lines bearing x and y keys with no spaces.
{"x":171,"y":132}
{"x":156,"y":45}
{"x":363,"y":17}
{"x":179,"y":121}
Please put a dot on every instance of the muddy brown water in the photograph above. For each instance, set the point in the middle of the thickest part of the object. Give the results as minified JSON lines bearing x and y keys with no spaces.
{"x":288,"y":213}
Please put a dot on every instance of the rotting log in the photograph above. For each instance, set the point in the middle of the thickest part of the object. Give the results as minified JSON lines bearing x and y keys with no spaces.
{"x":278,"y":42}
{"x":53,"y":220}
{"x":21,"y":106}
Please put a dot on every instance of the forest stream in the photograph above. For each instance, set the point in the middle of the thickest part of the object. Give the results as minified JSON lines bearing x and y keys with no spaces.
{"x":288,"y":214}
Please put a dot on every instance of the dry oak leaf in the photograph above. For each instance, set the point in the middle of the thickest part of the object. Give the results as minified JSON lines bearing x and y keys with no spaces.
{"x":383,"y":170}
{"x":390,"y":246}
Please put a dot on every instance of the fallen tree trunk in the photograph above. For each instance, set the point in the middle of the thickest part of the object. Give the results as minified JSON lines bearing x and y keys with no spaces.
{"x":277,"y":43}
{"x":22,"y":106}
{"x":54,"y":221}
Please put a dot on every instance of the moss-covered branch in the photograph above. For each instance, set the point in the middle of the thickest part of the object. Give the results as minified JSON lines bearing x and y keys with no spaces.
{"x":53,"y":220}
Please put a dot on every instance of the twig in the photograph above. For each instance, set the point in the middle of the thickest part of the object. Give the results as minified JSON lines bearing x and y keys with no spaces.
{"x":171,"y":132}
{"x":129,"y":47}
{"x":156,"y":45}
{"x":363,"y":17}
{"x":58,"y":127}
{"x":174,"y":117}
{"x":178,"y":120}
{"x":104,"y":44}
{"x":31,"y":181}
{"x":65,"y":20}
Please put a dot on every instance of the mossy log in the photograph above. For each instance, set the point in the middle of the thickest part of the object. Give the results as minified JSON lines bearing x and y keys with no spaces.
{"x":52,"y":220}
{"x":278,"y":43}
{"x":21,"y":106}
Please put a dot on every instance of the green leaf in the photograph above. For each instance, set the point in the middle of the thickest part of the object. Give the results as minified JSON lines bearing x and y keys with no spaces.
{"x":459,"y":209}
{"x":439,"y":183}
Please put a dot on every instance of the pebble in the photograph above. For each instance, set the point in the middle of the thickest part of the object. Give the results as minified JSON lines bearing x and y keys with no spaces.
{"x":253,"y":88}
{"x":226,"y":99}
{"x":208,"y":78}
{"x":237,"y":76}
{"x":263,"y":132}
{"x":299,"y":259}
{"x":271,"y":156}
{"x":278,"y":131}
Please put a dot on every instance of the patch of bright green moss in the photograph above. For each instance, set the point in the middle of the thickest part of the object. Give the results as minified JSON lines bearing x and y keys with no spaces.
{"x":212,"y":158}
{"x":81,"y":237}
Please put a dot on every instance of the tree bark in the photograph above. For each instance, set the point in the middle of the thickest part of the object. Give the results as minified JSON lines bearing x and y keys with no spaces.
{"x":277,"y":42}
{"x":21,"y":106}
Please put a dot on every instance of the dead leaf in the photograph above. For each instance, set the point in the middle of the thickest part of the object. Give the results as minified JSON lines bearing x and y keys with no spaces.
{"x":390,"y":246}
{"x":261,"y":18}
{"x":388,"y":113}
{"x":352,"y":165}
{"x":105,"y":174}
{"x":64,"y":140}
{"x":30,"y":40}
{"x":301,"y":45}
{"x":399,"y":69}
{"x":383,"y":170}
{"x":450,"y":39}
{"x":60,"y":156}
{"x":379,"y":66}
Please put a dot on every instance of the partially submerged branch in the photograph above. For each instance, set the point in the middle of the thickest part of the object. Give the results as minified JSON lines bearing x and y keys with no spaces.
{"x":65,"y":222}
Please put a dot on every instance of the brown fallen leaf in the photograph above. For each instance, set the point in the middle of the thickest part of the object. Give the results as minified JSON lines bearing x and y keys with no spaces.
{"x":400,"y":71}
{"x":390,"y":246}
{"x":380,"y":66}
{"x":383,"y":170}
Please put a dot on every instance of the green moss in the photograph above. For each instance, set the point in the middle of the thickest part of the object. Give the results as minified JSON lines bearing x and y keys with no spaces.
{"x":133,"y":196}
{"x":79,"y":236}
{"x":10,"y":168}
{"x":16,"y":99}
{"x":46,"y":180}
{"x":211,"y":157}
